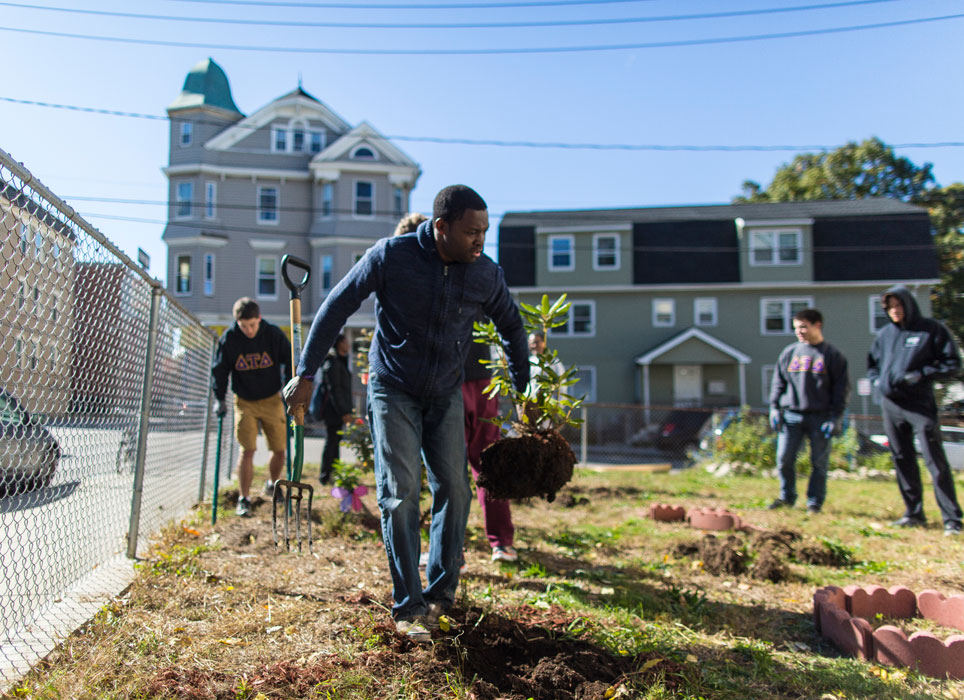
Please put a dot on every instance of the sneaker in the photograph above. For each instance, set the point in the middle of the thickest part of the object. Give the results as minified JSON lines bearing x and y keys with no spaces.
{"x":414,"y":629}
{"x":908,"y":521}
{"x":435,"y":611}
{"x":813,"y":510}
{"x":952,"y":529}
{"x":506,"y":553}
{"x":779,"y":503}
{"x":244,"y":508}
{"x":269,"y":488}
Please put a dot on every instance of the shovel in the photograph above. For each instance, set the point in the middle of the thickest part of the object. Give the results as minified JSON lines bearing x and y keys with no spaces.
{"x":291,"y":491}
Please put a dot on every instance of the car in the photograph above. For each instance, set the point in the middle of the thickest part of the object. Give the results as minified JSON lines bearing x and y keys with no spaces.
{"x":29,"y":454}
{"x":681,"y":429}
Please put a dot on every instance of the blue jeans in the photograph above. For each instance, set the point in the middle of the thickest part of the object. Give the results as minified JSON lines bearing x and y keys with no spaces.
{"x":796,"y":426}
{"x":404,"y":428}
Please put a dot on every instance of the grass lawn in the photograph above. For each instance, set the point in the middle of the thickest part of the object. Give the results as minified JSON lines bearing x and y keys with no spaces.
{"x":604,"y":603}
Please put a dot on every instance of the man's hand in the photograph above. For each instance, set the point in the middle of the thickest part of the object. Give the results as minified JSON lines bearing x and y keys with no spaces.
{"x":775,"y":419}
{"x":297,"y":393}
{"x":220,"y":408}
{"x":827,"y":428}
{"x":912,"y":378}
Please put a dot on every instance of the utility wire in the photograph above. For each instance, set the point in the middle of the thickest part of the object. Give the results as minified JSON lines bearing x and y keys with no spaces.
{"x":502,"y":142}
{"x":409,"y":6}
{"x":531,"y":50}
{"x":449,"y":25}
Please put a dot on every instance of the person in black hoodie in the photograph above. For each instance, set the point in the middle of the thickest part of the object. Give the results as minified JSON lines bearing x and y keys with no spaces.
{"x":906,"y":357}
{"x":332,"y":402}
{"x":250,"y":353}
{"x":807,"y":399}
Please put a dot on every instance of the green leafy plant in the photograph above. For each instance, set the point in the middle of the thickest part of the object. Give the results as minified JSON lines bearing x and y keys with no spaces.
{"x":545,"y":402}
{"x":345,"y":476}
{"x":358,"y":437}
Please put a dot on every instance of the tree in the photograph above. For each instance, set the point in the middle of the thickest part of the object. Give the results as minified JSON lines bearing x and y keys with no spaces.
{"x":872,"y":169}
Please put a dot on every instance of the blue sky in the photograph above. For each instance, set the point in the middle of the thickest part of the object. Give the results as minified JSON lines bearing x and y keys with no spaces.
{"x":900,"y":83}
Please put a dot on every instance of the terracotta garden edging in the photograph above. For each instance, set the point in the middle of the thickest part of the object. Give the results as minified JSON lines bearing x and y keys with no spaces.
{"x":717,"y":519}
{"x":666,"y":513}
{"x":842,"y":615}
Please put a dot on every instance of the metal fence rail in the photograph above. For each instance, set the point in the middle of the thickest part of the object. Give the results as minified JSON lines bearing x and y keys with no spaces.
{"x":105,"y":416}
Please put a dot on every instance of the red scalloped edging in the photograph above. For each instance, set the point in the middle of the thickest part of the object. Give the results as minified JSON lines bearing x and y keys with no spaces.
{"x":715,"y":519}
{"x":842,"y":615}
{"x":666,"y":513}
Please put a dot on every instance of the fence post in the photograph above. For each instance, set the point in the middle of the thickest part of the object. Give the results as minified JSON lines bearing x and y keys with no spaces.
{"x":584,"y":436}
{"x":138,"y":491}
{"x":207,"y":432}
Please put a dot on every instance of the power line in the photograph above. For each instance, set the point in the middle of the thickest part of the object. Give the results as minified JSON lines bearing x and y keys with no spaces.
{"x":449,"y":25}
{"x":510,"y":143}
{"x":410,"y":6}
{"x":531,"y":50}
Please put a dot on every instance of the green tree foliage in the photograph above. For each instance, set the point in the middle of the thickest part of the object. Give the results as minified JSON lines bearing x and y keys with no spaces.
{"x":872,"y":169}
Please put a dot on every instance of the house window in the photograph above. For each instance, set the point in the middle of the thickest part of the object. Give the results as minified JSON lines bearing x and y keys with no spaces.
{"x":182,"y":200}
{"x":878,"y":317}
{"x":279,"y":140}
{"x":605,"y":251}
{"x":561,"y":253}
{"x":327,"y":273}
{"x":316,"y":141}
{"x":780,"y":247}
{"x":187,"y":133}
{"x":664,"y":312}
{"x":182,"y":281}
{"x":209,"y":274}
{"x":704,"y":311}
{"x":585,"y":385}
{"x":776,"y":314}
{"x":38,"y":246}
{"x":581,"y":320}
{"x":210,"y":200}
{"x":327,"y":199}
{"x":364,"y":198}
{"x":267,"y":205}
{"x":363,"y":153}
{"x":397,"y":201}
{"x":767,"y":381}
{"x":298,"y":139}
{"x":267,"y":282}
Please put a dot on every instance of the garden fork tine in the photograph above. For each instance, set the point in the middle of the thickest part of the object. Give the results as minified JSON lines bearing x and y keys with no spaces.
{"x":292,"y":490}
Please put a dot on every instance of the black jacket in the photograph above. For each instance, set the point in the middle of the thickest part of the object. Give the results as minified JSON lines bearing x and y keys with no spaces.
{"x":252,"y":363}
{"x":332,"y":398}
{"x":918,"y":344}
{"x":811,"y":379}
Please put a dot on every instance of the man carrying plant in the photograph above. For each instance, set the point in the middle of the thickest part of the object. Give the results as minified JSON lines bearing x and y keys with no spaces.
{"x":251,"y":352}
{"x":429,"y":288}
{"x":807,"y":399}
{"x":906,"y":357}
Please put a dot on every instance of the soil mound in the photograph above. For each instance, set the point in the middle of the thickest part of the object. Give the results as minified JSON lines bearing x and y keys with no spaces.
{"x":537,"y":464}
{"x":719,"y":557}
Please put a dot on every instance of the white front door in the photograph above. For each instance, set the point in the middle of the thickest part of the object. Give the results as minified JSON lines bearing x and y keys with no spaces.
{"x":687,"y":385}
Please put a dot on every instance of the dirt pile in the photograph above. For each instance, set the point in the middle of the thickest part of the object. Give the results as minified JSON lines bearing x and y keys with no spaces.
{"x":537,"y":464}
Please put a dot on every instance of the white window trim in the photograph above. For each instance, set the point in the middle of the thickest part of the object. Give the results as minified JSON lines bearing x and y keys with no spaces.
{"x":321,"y":273}
{"x":178,"y":201}
{"x":321,"y":209}
{"x":595,"y":251}
{"x":187,"y":128}
{"x":177,"y":270}
{"x":274,"y":139}
{"x":789,"y":319}
{"x":591,"y":395}
{"x":572,"y":254}
{"x":354,"y":199}
{"x":400,"y":208}
{"x":662,"y":324}
{"x":305,"y":139}
{"x":277,"y":205}
{"x":696,"y":311}
{"x":257,"y":277}
{"x":570,"y":333}
{"x":210,"y":203}
{"x":321,"y":138}
{"x":775,"y":232}
{"x":764,"y":384}
{"x":204,"y":274}
{"x":360,"y":146}
{"x":873,"y":306}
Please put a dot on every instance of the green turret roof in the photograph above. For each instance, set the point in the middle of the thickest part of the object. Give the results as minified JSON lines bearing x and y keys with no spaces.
{"x":205,"y":86}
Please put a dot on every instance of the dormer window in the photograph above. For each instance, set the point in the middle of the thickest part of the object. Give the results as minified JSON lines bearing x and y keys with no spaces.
{"x":776,"y":247}
{"x":279,"y":140}
{"x":363,"y":153}
{"x":296,"y":137}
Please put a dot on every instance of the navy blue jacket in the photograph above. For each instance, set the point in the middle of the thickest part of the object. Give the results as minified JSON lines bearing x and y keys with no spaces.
{"x":424,"y":309}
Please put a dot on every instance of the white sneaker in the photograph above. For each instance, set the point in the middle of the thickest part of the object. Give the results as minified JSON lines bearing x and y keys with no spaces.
{"x":506,"y":553}
{"x":269,"y":488}
{"x":414,"y":629}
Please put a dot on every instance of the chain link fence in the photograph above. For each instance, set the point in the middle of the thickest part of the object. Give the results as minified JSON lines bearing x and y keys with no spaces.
{"x":106,"y":425}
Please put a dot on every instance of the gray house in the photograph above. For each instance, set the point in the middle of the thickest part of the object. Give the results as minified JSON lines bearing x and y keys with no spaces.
{"x":293,"y":177}
{"x":690,"y":306}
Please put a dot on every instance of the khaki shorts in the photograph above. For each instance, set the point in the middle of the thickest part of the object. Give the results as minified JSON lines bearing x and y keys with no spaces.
{"x":269,"y":413}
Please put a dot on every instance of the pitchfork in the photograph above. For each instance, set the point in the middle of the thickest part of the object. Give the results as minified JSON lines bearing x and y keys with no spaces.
{"x":291,"y":490}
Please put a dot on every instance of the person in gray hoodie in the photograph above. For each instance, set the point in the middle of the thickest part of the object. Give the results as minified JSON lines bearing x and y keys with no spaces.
{"x":429,"y":287}
{"x":907,"y":356}
{"x":807,"y":400}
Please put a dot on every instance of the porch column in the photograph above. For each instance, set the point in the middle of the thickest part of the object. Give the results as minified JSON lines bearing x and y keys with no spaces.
{"x":646,"y":392}
{"x":742,"y":384}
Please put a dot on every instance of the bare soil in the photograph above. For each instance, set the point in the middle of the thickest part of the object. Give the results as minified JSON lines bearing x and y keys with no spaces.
{"x":530,"y":465}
